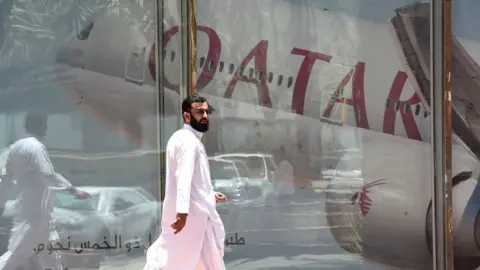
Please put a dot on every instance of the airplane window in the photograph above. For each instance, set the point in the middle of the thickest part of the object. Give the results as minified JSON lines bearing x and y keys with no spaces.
{"x":220,"y":69}
{"x":251,"y":72}
{"x":212,"y":64}
{"x":397,"y":105}
{"x":407,"y":108}
{"x":425,"y":114}
{"x":280,"y":79}
{"x":240,"y":70}
{"x":202,"y":61}
{"x":417,"y":109}
{"x":290,"y":81}
{"x":387,"y":103}
{"x":231,"y":68}
{"x":270,"y":77}
{"x":85,"y":33}
{"x":260,"y":75}
{"x":172,"y":56}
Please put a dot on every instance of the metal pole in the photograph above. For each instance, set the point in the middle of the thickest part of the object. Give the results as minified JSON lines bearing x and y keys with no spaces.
{"x":447,"y":96}
{"x":160,"y":90}
{"x":192,"y":23}
{"x":441,"y":136}
{"x":185,"y":84}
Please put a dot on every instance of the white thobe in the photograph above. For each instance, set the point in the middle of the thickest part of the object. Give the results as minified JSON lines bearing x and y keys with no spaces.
{"x":200,"y":245}
{"x":28,"y":163}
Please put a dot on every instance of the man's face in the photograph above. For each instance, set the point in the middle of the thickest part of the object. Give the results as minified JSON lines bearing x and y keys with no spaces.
{"x":198,"y":116}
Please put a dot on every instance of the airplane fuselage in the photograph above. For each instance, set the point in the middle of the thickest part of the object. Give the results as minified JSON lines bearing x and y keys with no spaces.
{"x":314,"y":82}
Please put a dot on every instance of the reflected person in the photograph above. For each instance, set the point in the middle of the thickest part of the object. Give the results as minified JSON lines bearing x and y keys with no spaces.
{"x":193,"y":234}
{"x":29,"y":165}
{"x":283,"y":175}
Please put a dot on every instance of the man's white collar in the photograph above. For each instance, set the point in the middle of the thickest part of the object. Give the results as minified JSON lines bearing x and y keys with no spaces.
{"x":196,"y":132}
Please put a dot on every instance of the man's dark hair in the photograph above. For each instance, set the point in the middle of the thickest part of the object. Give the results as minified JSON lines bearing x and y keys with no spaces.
{"x":35,"y":122}
{"x":188,"y":101}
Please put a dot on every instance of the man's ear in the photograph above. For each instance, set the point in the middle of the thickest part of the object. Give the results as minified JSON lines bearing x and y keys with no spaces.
{"x":186,"y":116}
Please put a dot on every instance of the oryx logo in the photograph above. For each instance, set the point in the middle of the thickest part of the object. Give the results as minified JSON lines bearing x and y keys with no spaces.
{"x":361,"y":196}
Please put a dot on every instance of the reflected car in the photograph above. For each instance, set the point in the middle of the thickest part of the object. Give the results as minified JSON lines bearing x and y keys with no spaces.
{"x":260,"y":165}
{"x":119,"y":219}
{"x":226,"y":178}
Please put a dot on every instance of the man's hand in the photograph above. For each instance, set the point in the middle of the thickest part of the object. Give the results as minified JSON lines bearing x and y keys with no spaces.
{"x":81,"y":194}
{"x":220,"y":197}
{"x":179,"y":222}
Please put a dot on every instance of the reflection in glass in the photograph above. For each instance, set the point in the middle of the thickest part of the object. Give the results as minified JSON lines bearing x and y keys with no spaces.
{"x":325,"y":96}
{"x":223,"y":170}
{"x":88,"y":67}
{"x":341,"y":86}
{"x":65,"y":200}
{"x":465,"y":86}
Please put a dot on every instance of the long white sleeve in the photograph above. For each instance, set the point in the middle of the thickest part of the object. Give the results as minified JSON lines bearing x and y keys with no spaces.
{"x":186,"y":156}
{"x":44,"y":166}
{"x":6,"y":185}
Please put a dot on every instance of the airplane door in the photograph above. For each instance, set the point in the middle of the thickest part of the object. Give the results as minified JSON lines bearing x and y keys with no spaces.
{"x":137,"y":57}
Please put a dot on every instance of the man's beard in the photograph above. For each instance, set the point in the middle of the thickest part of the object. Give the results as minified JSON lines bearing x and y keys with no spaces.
{"x":201,"y":127}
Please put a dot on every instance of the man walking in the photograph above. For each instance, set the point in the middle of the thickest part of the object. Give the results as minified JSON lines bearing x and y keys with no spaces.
{"x":193,"y":235}
{"x":29,"y":165}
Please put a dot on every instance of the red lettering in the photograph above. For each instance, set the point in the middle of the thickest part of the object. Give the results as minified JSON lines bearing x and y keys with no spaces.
{"x":303,"y":76}
{"x":298,"y":103}
{"x":390,"y":115}
{"x":259,"y":52}
{"x":152,"y":61}
{"x":358,"y":95}
{"x":213,"y":55}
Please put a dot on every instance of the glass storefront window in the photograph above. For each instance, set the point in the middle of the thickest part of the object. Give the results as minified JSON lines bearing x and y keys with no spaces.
{"x":88,"y":70}
{"x":464,"y":84}
{"x":320,"y":138}
{"x":323,"y":102}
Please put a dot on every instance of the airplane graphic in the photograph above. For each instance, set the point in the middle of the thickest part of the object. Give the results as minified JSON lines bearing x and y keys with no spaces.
{"x":361,"y":197}
{"x":326,"y":77}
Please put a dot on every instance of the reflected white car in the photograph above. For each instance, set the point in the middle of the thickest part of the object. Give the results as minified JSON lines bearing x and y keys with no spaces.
{"x":119,"y":219}
{"x":260,"y":165}
{"x":232,"y":178}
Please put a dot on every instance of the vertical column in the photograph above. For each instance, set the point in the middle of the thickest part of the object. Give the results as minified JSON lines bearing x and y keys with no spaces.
{"x":192,"y":26}
{"x":185,"y":86}
{"x":447,"y":95}
{"x":159,"y":4}
{"x":441,"y":134}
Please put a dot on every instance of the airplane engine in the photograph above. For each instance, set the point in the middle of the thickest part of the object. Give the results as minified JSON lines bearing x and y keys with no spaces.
{"x":466,"y":221}
{"x":378,"y":206}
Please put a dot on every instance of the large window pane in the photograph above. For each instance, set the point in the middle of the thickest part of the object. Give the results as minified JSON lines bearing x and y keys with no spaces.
{"x":465,"y":123}
{"x":88,"y":67}
{"x":322,"y":102}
